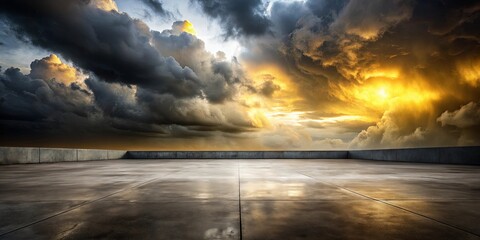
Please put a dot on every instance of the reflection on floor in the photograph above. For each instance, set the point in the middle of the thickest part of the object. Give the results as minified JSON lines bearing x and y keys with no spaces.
{"x":239,"y":199}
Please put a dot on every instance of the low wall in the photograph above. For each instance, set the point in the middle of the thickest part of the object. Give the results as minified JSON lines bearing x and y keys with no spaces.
{"x":444,"y":155}
{"x":237,"y":154}
{"x":14,"y":155}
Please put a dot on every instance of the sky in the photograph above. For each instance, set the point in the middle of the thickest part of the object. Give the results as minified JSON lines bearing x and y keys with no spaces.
{"x":240,"y":74}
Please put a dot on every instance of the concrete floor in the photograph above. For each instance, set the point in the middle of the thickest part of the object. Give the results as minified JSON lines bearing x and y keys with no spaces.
{"x":239,"y":199}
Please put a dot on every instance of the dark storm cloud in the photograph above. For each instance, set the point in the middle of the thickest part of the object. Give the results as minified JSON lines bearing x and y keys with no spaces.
{"x":157,"y":7}
{"x":284,"y":16}
{"x":328,"y":9}
{"x":345,"y":34}
{"x":47,"y":112}
{"x":221,"y":77}
{"x":117,"y":49}
{"x":333,"y":47}
{"x":42,"y":107}
{"x":238,"y":17}
{"x":134,"y":83}
{"x":110,"y":44}
{"x":444,"y":16}
{"x":38,"y":100}
{"x":269,"y":87}
{"x":124,"y":104}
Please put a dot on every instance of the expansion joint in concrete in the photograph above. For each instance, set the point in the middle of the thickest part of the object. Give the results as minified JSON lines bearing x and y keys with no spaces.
{"x":239,"y":202}
{"x":390,"y":204}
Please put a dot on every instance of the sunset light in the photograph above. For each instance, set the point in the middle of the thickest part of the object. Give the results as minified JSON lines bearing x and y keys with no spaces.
{"x":224,"y":74}
{"x":240,"y":119}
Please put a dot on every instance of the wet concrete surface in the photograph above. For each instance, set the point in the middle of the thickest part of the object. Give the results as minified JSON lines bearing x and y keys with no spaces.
{"x":239,"y":199}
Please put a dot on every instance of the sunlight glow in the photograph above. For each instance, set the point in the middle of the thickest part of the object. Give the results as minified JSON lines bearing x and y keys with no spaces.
{"x":382,"y":93}
{"x":188,"y":28}
{"x":384,"y":73}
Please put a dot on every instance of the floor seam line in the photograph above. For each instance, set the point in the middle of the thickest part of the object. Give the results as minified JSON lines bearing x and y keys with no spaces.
{"x":81,"y":205}
{"x":393,"y":205}
{"x":239,"y":201}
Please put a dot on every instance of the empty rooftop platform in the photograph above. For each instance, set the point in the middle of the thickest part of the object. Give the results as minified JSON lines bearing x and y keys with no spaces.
{"x":239,"y":199}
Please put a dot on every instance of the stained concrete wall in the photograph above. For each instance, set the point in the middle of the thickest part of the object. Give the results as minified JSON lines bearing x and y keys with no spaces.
{"x":448,"y":155}
{"x":89,"y":154}
{"x":444,"y":155}
{"x":116,"y":154}
{"x":94,"y":154}
{"x":14,"y":155}
{"x":236,"y":154}
{"x":57,"y":155}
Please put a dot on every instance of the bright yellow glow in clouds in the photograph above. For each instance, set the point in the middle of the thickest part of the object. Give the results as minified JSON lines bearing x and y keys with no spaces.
{"x":188,"y":27}
{"x":363,"y":102}
{"x":383,"y":73}
{"x":382,"y":95}
{"x":180,"y":27}
{"x":284,"y":108}
{"x":266,"y":111}
{"x":297,"y":118}
{"x":470,"y":71}
{"x":379,"y":91}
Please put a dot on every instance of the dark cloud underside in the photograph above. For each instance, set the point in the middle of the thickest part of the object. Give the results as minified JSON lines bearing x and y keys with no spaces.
{"x":157,"y":7}
{"x":238,"y":17}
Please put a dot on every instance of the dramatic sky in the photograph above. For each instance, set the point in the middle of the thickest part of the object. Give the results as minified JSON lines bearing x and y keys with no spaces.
{"x":240,"y":74}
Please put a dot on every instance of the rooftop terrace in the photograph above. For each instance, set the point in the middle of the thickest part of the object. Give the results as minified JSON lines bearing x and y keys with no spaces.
{"x":239,"y":199}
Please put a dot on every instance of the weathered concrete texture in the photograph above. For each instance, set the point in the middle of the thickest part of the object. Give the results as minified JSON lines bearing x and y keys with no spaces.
{"x":15,"y":155}
{"x":444,"y":155}
{"x":236,"y":154}
{"x":57,"y":155}
{"x":239,"y":199}
{"x":449,"y":155}
{"x":12,"y":155}
{"x":91,"y":154}
{"x":116,"y":154}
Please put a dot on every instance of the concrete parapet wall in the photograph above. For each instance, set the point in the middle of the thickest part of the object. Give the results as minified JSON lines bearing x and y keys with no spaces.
{"x":236,"y":154}
{"x":91,"y":154}
{"x":443,"y":155}
{"x":12,"y":155}
{"x":57,"y":155}
{"x":116,"y":154}
{"x":15,"y":155}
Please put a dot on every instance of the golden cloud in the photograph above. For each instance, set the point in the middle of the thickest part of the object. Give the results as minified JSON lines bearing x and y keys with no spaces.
{"x":52,"y":67}
{"x":107,"y":5}
{"x":183,"y":26}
